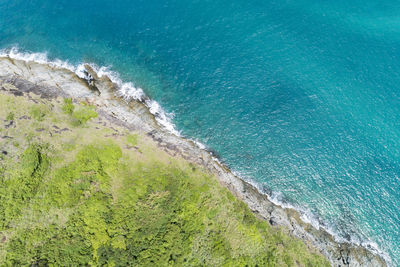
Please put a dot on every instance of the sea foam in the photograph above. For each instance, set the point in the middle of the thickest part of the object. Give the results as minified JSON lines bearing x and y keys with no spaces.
{"x":128,"y":91}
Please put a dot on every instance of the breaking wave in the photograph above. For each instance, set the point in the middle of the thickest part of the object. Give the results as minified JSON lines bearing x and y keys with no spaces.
{"x":128,"y":91}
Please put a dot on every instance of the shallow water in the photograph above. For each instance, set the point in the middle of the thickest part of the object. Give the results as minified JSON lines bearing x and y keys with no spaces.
{"x":302,"y":97}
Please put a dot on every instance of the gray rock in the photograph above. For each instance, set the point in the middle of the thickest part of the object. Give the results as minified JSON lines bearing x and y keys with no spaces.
{"x":49,"y":82}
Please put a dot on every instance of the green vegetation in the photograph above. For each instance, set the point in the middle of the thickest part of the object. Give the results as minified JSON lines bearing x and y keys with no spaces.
{"x":38,"y":112}
{"x":83,"y":114}
{"x":79,"y":197}
{"x":68,"y":106}
{"x":132,"y":139}
{"x":20,"y":185}
{"x":79,"y":116}
{"x":10,"y":116}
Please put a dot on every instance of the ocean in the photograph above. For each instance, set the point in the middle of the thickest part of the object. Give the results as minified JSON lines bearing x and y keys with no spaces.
{"x":300,"y":97}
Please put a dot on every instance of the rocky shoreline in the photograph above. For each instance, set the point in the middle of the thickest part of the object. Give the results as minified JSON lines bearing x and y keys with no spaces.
{"x":49,"y":82}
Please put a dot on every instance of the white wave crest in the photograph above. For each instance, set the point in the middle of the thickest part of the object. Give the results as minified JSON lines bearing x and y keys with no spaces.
{"x":308,"y":216}
{"x":40,"y":58}
{"x":126,"y":90}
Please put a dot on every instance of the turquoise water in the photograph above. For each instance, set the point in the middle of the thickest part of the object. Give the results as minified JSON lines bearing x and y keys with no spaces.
{"x":302,"y":97}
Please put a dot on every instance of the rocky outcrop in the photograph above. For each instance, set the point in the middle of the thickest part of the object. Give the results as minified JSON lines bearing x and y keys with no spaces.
{"x":22,"y":77}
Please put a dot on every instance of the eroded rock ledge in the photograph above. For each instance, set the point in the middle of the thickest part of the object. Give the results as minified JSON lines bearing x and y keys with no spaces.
{"x":19,"y":77}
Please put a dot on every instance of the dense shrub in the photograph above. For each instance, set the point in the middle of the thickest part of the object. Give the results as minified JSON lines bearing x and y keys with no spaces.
{"x":73,"y":204}
{"x":83,"y":114}
{"x":68,"y":107}
{"x":158,"y":215}
{"x":21,"y":184}
{"x":10,"y":116}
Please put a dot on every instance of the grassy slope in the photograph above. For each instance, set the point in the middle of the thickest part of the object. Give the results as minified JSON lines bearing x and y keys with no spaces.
{"x":78,"y":193}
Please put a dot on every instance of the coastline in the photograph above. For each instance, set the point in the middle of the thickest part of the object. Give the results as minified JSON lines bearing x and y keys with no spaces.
{"x":135,"y":113}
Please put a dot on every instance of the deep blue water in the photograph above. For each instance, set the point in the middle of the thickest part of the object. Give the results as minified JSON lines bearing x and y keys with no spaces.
{"x":300,"y":96}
